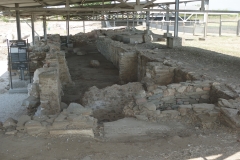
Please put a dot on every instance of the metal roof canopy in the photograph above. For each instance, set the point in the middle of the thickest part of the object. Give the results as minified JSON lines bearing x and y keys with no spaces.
{"x":43,"y":8}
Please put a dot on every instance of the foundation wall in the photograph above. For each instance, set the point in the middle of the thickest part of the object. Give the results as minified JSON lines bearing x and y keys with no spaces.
{"x":122,"y":56}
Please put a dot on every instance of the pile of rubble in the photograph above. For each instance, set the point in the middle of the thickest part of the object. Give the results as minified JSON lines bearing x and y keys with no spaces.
{"x":108,"y":103}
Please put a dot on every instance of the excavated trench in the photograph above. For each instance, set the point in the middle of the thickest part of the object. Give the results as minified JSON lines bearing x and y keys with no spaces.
{"x":164,"y":86}
{"x":85,"y":76}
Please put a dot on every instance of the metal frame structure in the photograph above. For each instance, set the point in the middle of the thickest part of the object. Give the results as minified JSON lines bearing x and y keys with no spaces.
{"x":92,"y":10}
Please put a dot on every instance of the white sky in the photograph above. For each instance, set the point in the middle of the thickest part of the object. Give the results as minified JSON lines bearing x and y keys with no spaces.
{"x":225,"y":4}
{"x":221,"y":4}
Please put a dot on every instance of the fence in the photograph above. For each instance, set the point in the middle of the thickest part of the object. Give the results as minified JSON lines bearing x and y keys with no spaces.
{"x":198,"y":28}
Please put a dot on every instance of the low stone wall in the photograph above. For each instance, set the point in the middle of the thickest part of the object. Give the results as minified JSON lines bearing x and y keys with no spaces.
{"x":161,"y":71}
{"x":75,"y":120}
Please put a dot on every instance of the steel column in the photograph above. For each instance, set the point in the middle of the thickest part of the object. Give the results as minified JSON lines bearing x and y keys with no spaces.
{"x":147,"y":21}
{"x":84,"y":27}
{"x":176,"y":18}
{"x":18,"y":22}
{"x":67,"y":27}
{"x":206,"y":17}
{"x":44,"y":28}
{"x":33,"y":33}
{"x":167,"y":18}
{"x":67,"y":20}
{"x":238,"y":25}
{"x":220,"y":26}
{"x":127,"y":21}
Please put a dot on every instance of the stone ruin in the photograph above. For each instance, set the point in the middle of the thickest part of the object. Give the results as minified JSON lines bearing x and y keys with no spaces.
{"x":153,"y":90}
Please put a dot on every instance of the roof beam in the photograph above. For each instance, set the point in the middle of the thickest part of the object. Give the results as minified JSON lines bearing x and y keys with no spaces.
{"x":148,"y":3}
{"x":127,"y":4}
{"x":41,"y":2}
{"x":111,"y":9}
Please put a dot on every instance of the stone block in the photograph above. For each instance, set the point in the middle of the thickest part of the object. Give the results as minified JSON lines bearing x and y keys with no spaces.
{"x":81,"y":121}
{"x":147,"y":38}
{"x":78,"y":109}
{"x":203,"y":108}
{"x":94,"y":63}
{"x":9,"y":123}
{"x":141,"y":101}
{"x":230,"y":117}
{"x":140,"y":94}
{"x":35,"y":128}
{"x":150,"y":106}
{"x":170,"y":113}
{"x":40,"y":118}
{"x":81,"y":53}
{"x":60,"y":118}
{"x":173,"y":42}
{"x":22,"y":120}
{"x":85,"y":132}
{"x":14,"y":132}
{"x":60,"y":124}
{"x":181,"y":89}
{"x":142,"y":117}
{"x":166,"y":35}
{"x":75,"y":50}
{"x":183,"y":109}
{"x":224,"y":103}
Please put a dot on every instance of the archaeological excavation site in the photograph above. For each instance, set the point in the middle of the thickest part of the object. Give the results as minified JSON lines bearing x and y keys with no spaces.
{"x":132,"y":81}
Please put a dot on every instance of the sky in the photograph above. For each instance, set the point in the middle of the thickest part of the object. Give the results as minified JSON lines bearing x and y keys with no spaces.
{"x":223,"y":5}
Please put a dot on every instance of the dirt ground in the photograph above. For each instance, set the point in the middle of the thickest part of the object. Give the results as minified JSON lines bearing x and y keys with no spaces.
{"x":200,"y":145}
{"x":217,"y":58}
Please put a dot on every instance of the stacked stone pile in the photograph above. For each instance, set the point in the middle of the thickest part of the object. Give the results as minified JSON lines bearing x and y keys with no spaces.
{"x":74,"y":120}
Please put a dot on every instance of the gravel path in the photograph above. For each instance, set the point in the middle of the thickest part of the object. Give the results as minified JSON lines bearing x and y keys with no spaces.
{"x":10,"y":106}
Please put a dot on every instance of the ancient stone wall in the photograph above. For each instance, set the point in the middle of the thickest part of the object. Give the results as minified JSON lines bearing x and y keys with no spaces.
{"x":48,"y":81}
{"x":122,"y":56}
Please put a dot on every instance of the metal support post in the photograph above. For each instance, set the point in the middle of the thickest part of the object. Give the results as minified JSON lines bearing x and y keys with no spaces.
{"x":127,"y":21}
{"x":167,"y":18}
{"x":84,"y":27}
{"x":67,"y":27}
{"x":206,"y":17}
{"x":205,"y":29}
{"x":220,"y":26}
{"x":33,"y":33}
{"x":114,"y":22}
{"x":44,"y":27}
{"x":176,"y":18}
{"x":67,"y":20}
{"x":194,"y":28}
{"x":137,"y":19}
{"x":133,"y":24}
{"x":147,"y":21}
{"x":238,"y":25}
{"x":18,"y":22}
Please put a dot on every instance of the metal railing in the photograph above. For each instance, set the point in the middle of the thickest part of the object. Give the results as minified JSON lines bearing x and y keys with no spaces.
{"x":200,"y":28}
